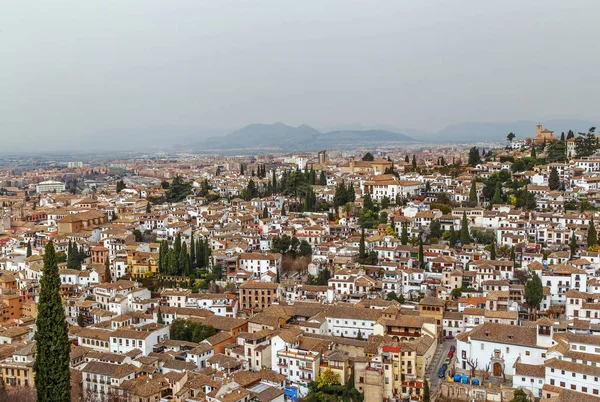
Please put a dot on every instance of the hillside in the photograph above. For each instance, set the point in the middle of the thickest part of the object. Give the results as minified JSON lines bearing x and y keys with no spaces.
{"x":282,"y":137}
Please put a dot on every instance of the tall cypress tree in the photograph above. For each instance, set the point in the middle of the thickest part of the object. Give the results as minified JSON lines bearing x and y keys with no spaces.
{"x":52,"y":377}
{"x":473,"y":192}
{"x":322,"y":179}
{"x":177,"y":252}
{"x":421,"y":254}
{"x":573,"y":245}
{"x":29,"y":252}
{"x":404,"y":236}
{"x":592,"y":236}
{"x":200,"y":253}
{"x":183,"y":260}
{"x":452,"y":236}
{"x":70,"y":255}
{"x":361,"y":246}
{"x":192,"y":252}
{"x":465,"y":238}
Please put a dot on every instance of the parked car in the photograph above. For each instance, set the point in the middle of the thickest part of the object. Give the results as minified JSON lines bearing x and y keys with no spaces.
{"x":447,"y":362}
{"x":452,"y":348}
{"x":442,"y":372}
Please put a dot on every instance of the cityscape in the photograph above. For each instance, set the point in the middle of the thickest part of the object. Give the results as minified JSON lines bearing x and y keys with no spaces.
{"x":317,"y":201}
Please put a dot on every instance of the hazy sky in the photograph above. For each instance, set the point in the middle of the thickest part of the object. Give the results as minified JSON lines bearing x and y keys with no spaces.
{"x":77,"y":67}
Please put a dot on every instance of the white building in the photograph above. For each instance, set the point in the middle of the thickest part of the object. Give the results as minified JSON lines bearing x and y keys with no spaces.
{"x":50,"y":186}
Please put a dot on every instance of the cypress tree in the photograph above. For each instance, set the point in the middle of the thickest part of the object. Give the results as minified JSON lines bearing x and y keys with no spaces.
{"x":473,"y":192}
{"x":533,"y":152}
{"x":265,"y":214}
{"x":52,"y":377}
{"x":421,"y":256}
{"x":283,"y":213}
{"x":200,"y":253}
{"x":159,"y":317}
{"x":497,"y":199}
{"x":177,"y":253}
{"x":452,"y":236}
{"x":322,"y":179}
{"x":404,"y":236}
{"x":70,"y":255}
{"x":172,"y":261}
{"x":465,"y":238}
{"x":513,"y":257}
{"x":573,"y":245}
{"x":183,"y":261}
{"x":592,"y":236}
{"x":207,"y":254}
{"x":554,"y":179}
{"x":493,"y":251}
{"x":361,"y":245}
{"x":192,"y":252}
{"x":414,"y":162}
{"x":426,"y":396}
{"x":29,"y":252}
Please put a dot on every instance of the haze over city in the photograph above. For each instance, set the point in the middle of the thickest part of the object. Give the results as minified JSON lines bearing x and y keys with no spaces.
{"x":75,"y":73}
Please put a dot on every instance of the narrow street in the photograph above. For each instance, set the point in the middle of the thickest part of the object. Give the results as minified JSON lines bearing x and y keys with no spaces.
{"x":440,"y":355}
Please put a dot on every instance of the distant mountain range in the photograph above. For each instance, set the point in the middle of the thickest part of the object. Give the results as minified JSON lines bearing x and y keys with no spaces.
{"x":282,"y":137}
{"x":471,"y":132}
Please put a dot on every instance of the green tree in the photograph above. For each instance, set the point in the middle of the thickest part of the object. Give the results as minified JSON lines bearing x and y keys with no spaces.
{"x":474,"y":157}
{"x":497,"y":198}
{"x":554,"y":180}
{"x":473,"y":192}
{"x":190,"y":331}
{"x":426,"y":396}
{"x":570,"y":135}
{"x":465,"y":238}
{"x":385,"y":202}
{"x":534,"y":291}
{"x":178,"y":190}
{"x":456,"y":293}
{"x":586,"y":144}
{"x":493,"y":251}
{"x":592,"y":235}
{"x":148,"y":208}
{"x":435,"y":228}
{"x":139,"y":237}
{"x":510,"y":137}
{"x":533,"y":151}
{"x":80,"y":320}
{"x":453,"y":239}
{"x":368,"y":157}
{"x":573,"y":245}
{"x":404,"y":235}
{"x":327,"y":378}
{"x":305,"y":249}
{"x":520,"y":396}
{"x":361,"y":246}
{"x":421,"y":254}
{"x":52,"y":376}
{"x":557,"y":152}
{"x":322,"y":178}
{"x":414,"y":161}
{"x":368,"y":203}
{"x":159,"y":317}
{"x":120,"y":186}
{"x":29,"y":252}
